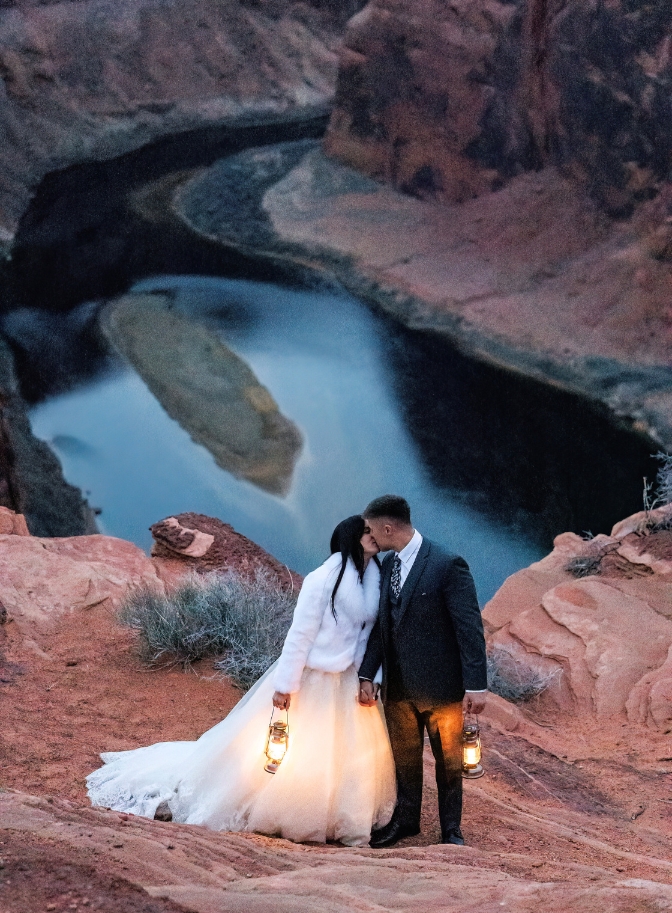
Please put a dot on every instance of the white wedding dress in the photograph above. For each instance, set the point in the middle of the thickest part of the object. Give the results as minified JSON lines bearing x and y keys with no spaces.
{"x":337,"y":780}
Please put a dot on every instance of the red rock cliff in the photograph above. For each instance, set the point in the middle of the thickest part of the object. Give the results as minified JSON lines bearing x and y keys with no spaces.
{"x":448,"y":99}
{"x":85,"y":80}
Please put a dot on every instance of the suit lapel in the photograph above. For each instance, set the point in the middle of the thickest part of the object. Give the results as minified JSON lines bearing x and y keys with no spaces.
{"x":414,"y":576}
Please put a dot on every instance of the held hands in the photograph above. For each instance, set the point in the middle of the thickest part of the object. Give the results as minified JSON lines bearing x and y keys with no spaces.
{"x":281,"y":701}
{"x":474,"y":701}
{"x":368,"y":693}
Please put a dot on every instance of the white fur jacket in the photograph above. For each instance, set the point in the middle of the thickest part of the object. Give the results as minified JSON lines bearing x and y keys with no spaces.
{"x":318,"y":641}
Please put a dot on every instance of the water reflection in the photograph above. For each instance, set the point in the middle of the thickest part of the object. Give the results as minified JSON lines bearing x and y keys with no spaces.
{"x":329,"y":364}
{"x":536,"y":458}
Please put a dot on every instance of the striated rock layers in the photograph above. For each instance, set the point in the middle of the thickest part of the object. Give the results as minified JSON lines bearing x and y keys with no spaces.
{"x":544,"y":831}
{"x":90,"y":80}
{"x":447,"y":100}
{"x":164,"y":868}
{"x":599,"y":611}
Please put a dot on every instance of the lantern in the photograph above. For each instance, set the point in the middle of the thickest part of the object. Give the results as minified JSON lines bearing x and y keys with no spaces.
{"x":276,"y":743}
{"x":471,"y":750}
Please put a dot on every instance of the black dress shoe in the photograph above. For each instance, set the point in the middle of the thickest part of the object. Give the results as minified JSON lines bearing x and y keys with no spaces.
{"x":391,"y":834}
{"x":455,"y":837}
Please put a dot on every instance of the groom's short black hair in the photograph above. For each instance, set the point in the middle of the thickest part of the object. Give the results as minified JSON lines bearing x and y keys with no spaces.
{"x":390,"y":506}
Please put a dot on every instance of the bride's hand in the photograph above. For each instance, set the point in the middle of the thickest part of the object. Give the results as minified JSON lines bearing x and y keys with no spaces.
{"x":368,"y":693}
{"x":281,"y":701}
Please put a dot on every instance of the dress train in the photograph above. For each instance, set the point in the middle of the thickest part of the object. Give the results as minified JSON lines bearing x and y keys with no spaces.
{"x":336,"y":782}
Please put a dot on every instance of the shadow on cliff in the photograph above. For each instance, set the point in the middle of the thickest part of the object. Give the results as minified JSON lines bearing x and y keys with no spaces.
{"x":85,"y":236}
{"x":533,"y":457}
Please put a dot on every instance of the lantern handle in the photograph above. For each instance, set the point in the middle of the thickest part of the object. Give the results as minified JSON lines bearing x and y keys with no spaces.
{"x":469,"y":719}
{"x":273,"y":709}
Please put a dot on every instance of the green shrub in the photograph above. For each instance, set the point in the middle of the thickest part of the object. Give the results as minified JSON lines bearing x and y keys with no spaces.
{"x":244,"y":621}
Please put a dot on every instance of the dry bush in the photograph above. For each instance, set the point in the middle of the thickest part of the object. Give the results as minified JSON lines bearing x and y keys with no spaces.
{"x":514,"y":679}
{"x":585,"y":565}
{"x":244,"y":621}
{"x":664,"y":479}
{"x":663,"y":495}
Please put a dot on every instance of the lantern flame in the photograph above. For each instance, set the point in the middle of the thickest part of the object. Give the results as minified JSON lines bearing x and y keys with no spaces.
{"x":276,"y":744}
{"x":276,"y":751}
{"x":471,"y":750}
{"x":472,"y":755}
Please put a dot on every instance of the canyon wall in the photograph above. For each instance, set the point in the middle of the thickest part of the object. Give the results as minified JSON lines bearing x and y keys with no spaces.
{"x":84,"y":80}
{"x":31,"y":479}
{"x":450,"y":99}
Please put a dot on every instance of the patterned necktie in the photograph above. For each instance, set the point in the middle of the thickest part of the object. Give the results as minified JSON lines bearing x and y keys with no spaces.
{"x":395,"y":580}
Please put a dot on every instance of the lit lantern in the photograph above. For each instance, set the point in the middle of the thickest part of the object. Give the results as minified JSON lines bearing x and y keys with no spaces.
{"x":471,"y":750}
{"x":276,"y":744}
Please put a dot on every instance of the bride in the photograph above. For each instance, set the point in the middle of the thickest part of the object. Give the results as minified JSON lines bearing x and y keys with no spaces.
{"x":337,"y":779}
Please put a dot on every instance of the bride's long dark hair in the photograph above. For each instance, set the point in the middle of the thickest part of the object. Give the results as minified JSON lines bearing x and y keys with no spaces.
{"x":347,"y":539}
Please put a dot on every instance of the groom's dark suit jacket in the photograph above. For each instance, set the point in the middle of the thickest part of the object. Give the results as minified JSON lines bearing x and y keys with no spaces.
{"x":431,"y":645}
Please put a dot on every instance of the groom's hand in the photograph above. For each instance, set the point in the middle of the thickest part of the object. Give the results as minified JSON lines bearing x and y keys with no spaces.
{"x":474,"y":701}
{"x":368,"y":693}
{"x":281,"y":701}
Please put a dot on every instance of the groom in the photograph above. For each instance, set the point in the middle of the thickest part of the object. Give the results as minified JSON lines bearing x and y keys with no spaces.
{"x":429,"y":640}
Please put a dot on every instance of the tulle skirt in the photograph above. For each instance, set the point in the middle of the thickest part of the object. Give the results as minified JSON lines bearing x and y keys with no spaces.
{"x":336,"y":782}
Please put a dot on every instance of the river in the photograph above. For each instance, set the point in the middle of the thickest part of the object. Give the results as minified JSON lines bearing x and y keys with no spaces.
{"x":379,"y":412}
{"x":494,"y":465}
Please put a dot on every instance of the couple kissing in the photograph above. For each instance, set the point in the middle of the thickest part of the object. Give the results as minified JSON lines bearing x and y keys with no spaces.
{"x":377,"y":654}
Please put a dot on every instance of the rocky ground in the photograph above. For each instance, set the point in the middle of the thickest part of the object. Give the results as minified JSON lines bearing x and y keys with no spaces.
{"x":564,"y":818}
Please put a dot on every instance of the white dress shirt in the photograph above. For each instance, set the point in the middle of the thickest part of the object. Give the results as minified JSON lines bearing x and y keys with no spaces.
{"x":408,"y":554}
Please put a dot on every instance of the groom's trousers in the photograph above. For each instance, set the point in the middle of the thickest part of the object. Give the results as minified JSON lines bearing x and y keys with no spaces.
{"x":406,"y":723}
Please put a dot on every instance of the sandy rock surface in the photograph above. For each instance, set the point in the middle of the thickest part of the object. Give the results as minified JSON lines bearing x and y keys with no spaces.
{"x":192,"y":869}
{"x":608,"y":635}
{"x":12,"y":524}
{"x":229,"y":551}
{"x":43,"y":579}
{"x":552,"y":825}
{"x":69,"y":670}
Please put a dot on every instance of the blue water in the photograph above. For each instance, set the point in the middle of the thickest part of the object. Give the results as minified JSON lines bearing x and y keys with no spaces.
{"x":324,"y":358}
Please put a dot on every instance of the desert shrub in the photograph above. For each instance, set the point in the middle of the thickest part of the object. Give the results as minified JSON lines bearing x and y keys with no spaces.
{"x":514,"y":679}
{"x":257,"y":621}
{"x":664,"y":478}
{"x":241,"y":620}
{"x":663,"y":496}
{"x":590,"y":562}
{"x":584,"y":565}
